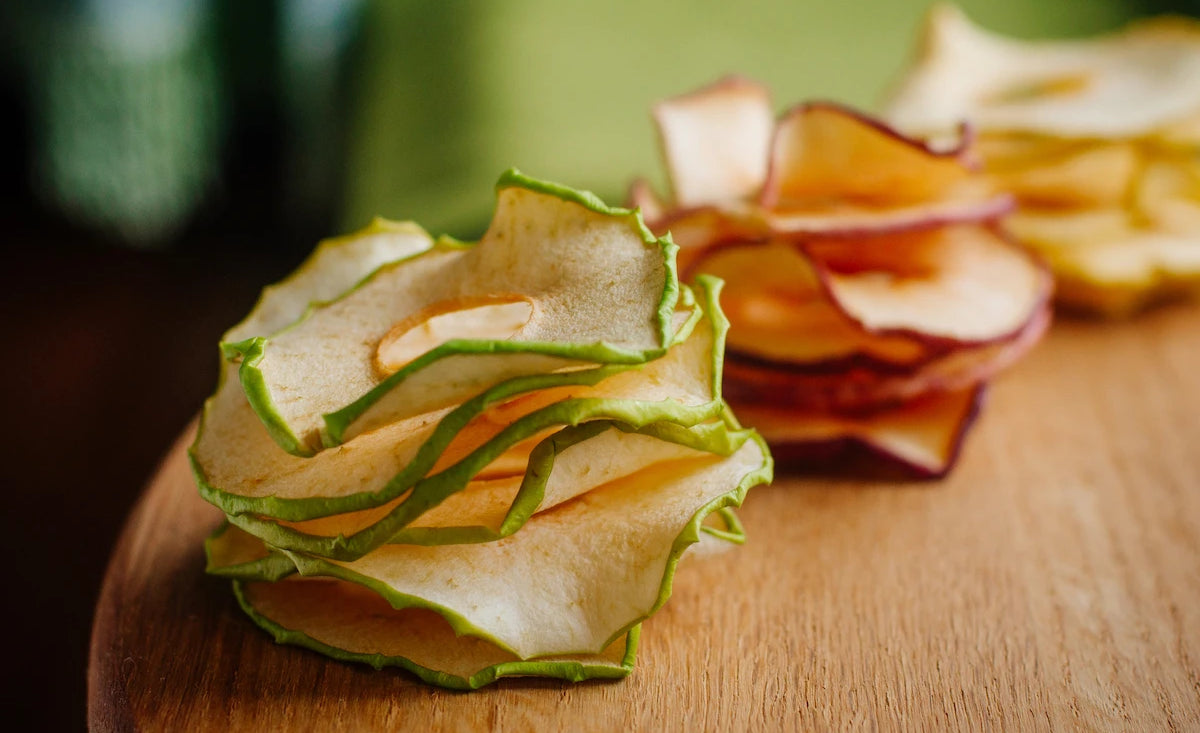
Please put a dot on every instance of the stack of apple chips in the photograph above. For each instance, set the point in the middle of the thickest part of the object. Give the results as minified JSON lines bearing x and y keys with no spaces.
{"x":870,"y":292}
{"x":1099,"y":139}
{"x":475,"y":460}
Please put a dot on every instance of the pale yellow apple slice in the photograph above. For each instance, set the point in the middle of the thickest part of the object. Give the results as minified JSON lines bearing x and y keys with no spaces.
{"x":1097,"y":175}
{"x":1107,"y":262}
{"x":1127,"y":83}
{"x":715,"y":141}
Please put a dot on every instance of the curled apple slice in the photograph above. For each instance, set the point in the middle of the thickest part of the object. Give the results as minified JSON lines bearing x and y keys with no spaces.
{"x":564,"y":465}
{"x":824,"y":169}
{"x":573,"y":579}
{"x":922,"y":436}
{"x":239,"y":469}
{"x":715,"y":141}
{"x":1107,"y":262}
{"x":1127,"y":83}
{"x":823,"y":152}
{"x":348,"y":622}
{"x":864,"y":385}
{"x":679,"y":390}
{"x":961,"y":284}
{"x":774,"y":295}
{"x":600,"y":289}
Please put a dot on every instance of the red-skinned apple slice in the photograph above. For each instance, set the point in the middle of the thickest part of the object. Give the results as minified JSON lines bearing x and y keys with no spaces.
{"x":960,"y":284}
{"x":856,"y":384}
{"x":824,"y":169}
{"x":824,"y":151}
{"x":923,"y":437}
{"x":775,"y":298}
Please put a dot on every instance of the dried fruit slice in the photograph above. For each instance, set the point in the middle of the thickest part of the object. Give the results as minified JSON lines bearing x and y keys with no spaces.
{"x":446,"y":509}
{"x":559,"y":281}
{"x":715,"y":141}
{"x":662,"y":399}
{"x":1094,"y":175}
{"x":960,"y":284}
{"x":828,"y":155}
{"x":348,"y":622}
{"x":240,"y":470}
{"x":574,"y":578}
{"x":1105,"y":262}
{"x":922,"y":436}
{"x":1096,"y":138}
{"x":774,"y":295}
{"x":864,"y":385}
{"x":825,"y":169}
{"x":1127,"y":83}
{"x":333,"y":267}
{"x":894,"y":300}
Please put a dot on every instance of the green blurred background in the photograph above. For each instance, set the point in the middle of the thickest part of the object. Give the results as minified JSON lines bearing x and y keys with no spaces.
{"x":144,"y":117}
{"x":162,"y":159}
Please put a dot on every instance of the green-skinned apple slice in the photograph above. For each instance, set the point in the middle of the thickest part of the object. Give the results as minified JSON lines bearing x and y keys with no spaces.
{"x":1127,"y":83}
{"x":923,"y":436}
{"x":240,"y":470}
{"x":559,"y":281}
{"x":350,"y":623}
{"x":575,"y":577}
{"x":565,"y":464}
{"x":679,"y":390}
{"x":335,"y":266}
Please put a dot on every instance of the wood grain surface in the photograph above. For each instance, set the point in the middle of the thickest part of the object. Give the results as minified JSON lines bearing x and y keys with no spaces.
{"x":1052,"y":582}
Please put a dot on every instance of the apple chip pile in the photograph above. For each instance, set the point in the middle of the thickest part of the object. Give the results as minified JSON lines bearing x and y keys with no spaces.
{"x":1098,"y":138}
{"x":475,"y":460}
{"x":870,"y":293}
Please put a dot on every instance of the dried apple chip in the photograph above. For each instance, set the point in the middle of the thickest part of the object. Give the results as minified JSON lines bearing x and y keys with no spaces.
{"x":575,"y":577}
{"x":863,"y":385}
{"x":597,"y":286}
{"x":666,"y":398}
{"x":1096,"y":137}
{"x":822,"y":169}
{"x":1128,"y":83}
{"x":348,"y":622}
{"x":960,"y":284}
{"x":864,"y":272}
{"x":524,"y":515}
{"x":922,"y":436}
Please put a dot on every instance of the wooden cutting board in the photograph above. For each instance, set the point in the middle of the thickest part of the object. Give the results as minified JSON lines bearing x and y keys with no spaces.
{"x":1052,"y":582}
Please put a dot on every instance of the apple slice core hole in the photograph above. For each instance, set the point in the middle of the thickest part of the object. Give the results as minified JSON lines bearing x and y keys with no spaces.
{"x":489,"y":318}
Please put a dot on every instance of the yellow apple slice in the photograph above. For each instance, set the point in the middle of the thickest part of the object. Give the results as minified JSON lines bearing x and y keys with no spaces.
{"x":1127,"y":83}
